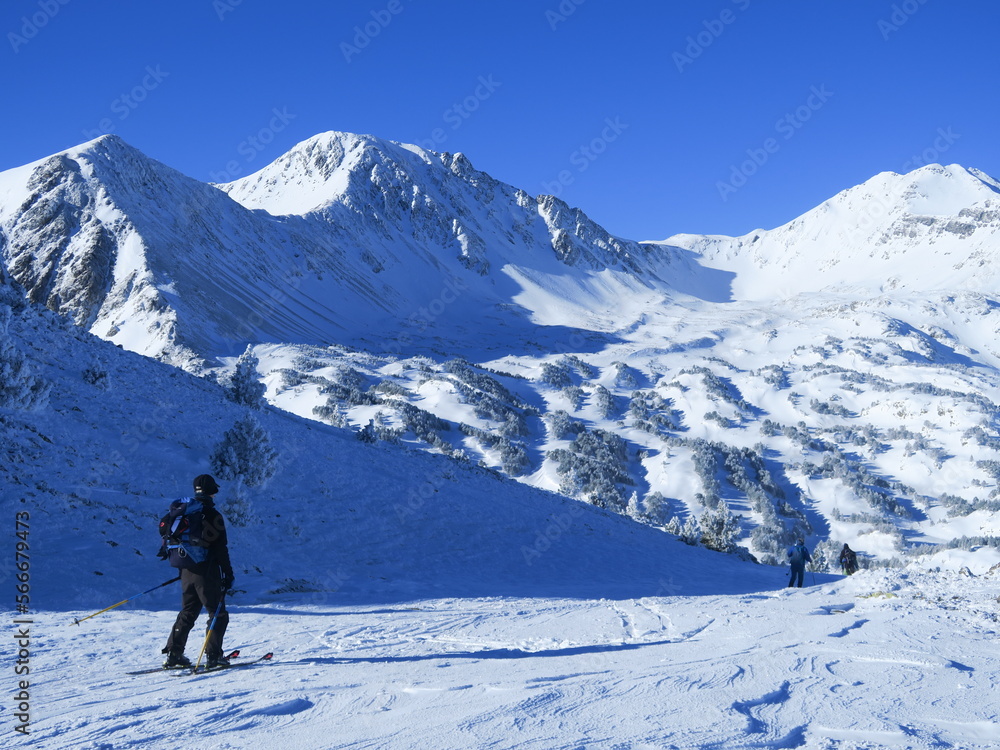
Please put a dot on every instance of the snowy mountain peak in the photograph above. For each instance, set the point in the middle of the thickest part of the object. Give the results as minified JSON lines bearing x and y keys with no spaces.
{"x":312,"y":174}
{"x":344,"y":167}
{"x":343,"y":233}
{"x":931,"y":190}
{"x":932,"y":228}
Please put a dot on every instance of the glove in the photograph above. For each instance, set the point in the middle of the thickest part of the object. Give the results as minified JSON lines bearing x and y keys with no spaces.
{"x":227,"y":580}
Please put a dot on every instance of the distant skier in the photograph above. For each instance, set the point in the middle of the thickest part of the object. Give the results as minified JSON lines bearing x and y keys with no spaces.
{"x":848,"y":561}
{"x":195,"y":541}
{"x":798,"y":556}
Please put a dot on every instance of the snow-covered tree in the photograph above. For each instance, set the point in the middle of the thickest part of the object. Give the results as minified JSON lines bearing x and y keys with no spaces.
{"x":20,"y":388}
{"x":245,"y":453}
{"x":690,"y":531}
{"x":244,"y":385}
{"x":556,"y":374}
{"x":720,"y":528}
{"x":605,"y":402}
{"x":633,"y":509}
{"x":657,"y":508}
{"x":367,"y":434}
{"x":238,"y":507}
{"x":96,"y":374}
{"x":826,"y":556}
{"x":625,"y":376}
{"x":673,"y":526}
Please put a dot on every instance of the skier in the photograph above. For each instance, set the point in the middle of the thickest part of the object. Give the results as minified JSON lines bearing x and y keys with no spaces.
{"x":798,"y":556}
{"x":848,"y":561}
{"x":205,"y":583}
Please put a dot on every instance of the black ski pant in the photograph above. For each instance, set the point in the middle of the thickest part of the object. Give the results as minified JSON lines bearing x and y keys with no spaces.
{"x":197,"y":592}
{"x":799,"y":572}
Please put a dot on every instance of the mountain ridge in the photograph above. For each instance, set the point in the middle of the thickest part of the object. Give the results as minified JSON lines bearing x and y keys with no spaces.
{"x":856,"y":238}
{"x":836,"y":377}
{"x":122,"y":243}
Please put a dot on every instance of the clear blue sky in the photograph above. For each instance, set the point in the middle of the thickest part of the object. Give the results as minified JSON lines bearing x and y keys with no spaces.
{"x":708,"y":116}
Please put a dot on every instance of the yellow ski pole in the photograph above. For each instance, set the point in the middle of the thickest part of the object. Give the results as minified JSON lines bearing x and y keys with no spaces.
{"x":123,"y":601}
{"x":208,"y":633}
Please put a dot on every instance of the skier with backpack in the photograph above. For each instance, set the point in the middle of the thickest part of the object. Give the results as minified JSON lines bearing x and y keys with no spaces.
{"x":194,"y":540}
{"x":798,"y":556}
{"x":848,"y":561}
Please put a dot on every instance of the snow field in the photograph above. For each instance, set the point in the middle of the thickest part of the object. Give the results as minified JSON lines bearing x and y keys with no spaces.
{"x":892,"y":660}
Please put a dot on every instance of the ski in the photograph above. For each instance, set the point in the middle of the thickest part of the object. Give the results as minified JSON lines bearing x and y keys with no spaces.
{"x":157,"y":669}
{"x":154,"y":670}
{"x":259,"y":660}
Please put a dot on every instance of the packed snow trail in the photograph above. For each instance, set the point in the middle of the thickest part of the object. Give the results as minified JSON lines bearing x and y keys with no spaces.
{"x":895,"y":660}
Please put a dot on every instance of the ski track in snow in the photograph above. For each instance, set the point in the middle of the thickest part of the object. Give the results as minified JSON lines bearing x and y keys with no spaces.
{"x":827,"y":667}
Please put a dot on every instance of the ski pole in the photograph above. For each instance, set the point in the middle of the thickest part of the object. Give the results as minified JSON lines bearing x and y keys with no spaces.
{"x":208,"y":633}
{"x":123,"y":601}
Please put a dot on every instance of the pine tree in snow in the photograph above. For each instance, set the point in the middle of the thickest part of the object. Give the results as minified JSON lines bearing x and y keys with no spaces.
{"x":20,"y":388}
{"x":826,"y":557}
{"x":690,"y":531}
{"x":720,"y":529}
{"x":244,"y":386}
{"x":245,"y":453}
{"x":633,"y":509}
{"x":238,"y":507}
{"x":657,"y":508}
{"x":367,"y":434}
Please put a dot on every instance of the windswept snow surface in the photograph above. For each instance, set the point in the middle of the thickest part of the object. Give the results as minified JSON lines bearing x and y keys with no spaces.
{"x":895,"y":660}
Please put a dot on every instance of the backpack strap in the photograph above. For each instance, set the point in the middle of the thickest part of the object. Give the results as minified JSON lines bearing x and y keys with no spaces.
{"x":178,"y":510}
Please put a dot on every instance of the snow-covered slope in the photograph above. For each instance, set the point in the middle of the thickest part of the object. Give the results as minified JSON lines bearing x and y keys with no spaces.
{"x":412,"y":601}
{"x":121,"y":435}
{"x":429,"y":204}
{"x":868,"y":422}
{"x":418,"y":600}
{"x":934,"y":229}
{"x":162,"y":264}
{"x":876,"y":662}
{"x":835,"y":377}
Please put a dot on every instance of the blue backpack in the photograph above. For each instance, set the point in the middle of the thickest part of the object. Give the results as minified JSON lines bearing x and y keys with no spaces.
{"x":181,"y":532}
{"x":798,"y":555}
